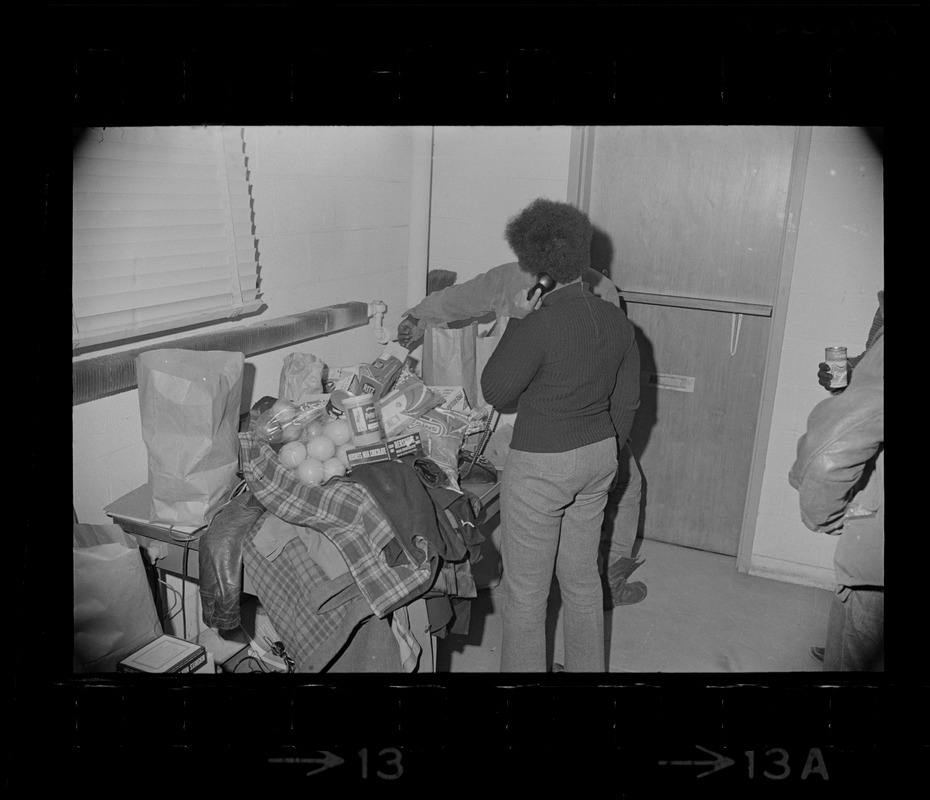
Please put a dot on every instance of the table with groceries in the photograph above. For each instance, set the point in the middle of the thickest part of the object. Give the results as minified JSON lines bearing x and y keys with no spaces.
{"x":361,"y":517}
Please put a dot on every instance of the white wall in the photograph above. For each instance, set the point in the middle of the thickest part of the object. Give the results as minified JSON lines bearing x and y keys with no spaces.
{"x":332,"y":209}
{"x":838,"y":270}
{"x":482,"y":176}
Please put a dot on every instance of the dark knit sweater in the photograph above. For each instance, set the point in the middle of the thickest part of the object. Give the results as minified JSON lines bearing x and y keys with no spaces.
{"x":571,"y":371}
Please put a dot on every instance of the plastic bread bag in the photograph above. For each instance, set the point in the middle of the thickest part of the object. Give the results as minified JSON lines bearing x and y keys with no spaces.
{"x":406,"y":402}
{"x":301,"y":378}
{"x":286,"y":421}
{"x":442,"y":432}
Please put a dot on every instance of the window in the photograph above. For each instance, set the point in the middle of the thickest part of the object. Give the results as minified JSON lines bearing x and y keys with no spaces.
{"x":162,"y":232}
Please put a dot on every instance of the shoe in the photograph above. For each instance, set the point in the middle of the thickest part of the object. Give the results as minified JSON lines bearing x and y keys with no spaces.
{"x":816,"y":653}
{"x":624,"y":593}
{"x":621,"y":569}
{"x":558,"y":668}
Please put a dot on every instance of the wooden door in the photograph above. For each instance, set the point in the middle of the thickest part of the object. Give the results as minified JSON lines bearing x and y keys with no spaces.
{"x":691,"y":227}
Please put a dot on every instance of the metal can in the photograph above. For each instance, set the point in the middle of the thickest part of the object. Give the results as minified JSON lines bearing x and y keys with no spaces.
{"x":836,"y":360}
{"x":334,"y":404}
{"x":362,"y":413}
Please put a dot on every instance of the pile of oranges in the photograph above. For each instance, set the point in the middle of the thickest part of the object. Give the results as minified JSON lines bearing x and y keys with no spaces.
{"x":321,"y":453}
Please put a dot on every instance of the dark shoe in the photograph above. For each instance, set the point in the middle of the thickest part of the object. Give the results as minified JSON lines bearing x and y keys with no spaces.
{"x":621,"y":569}
{"x":816,"y":653}
{"x":624,"y":593}
{"x":558,"y":668}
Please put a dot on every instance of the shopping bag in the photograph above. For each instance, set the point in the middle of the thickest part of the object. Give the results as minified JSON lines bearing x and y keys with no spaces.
{"x":457,"y":356}
{"x":114,"y":611}
{"x":189,"y":400}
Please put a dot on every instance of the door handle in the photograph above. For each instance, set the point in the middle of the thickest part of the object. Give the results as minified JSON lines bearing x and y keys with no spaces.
{"x":736,"y":322}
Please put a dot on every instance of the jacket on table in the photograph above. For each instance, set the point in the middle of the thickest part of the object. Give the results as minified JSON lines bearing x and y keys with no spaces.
{"x":441,"y":521}
{"x":220,"y":561}
{"x":320,"y":618}
{"x":347,"y":514}
{"x":840,"y":474}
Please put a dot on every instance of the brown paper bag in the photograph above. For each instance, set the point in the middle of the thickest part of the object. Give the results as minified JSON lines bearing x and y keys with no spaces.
{"x":457,"y":356}
{"x":189,"y":401}
{"x":114,"y":611}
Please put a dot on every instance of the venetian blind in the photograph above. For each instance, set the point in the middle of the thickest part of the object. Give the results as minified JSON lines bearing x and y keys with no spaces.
{"x":162,"y":231}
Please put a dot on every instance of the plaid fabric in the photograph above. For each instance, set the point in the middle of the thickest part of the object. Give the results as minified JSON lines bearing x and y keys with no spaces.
{"x":285,"y":587}
{"x":347,"y":514}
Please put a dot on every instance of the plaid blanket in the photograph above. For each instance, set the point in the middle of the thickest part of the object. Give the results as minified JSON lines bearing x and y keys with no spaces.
{"x":290,"y":588}
{"x":347,"y":514}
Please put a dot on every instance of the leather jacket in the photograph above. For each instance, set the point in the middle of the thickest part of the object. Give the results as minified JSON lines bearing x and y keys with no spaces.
{"x":839,"y":472}
{"x":220,"y":560}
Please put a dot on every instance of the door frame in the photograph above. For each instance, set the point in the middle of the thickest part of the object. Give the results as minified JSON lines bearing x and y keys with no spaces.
{"x":581,"y":157}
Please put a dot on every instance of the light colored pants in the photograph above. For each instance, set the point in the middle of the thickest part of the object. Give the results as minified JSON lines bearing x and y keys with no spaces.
{"x":552,"y":509}
{"x":618,"y":535}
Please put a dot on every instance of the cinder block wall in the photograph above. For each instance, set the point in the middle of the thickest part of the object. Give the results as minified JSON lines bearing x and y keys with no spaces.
{"x":332,"y":210}
{"x":838,"y":270}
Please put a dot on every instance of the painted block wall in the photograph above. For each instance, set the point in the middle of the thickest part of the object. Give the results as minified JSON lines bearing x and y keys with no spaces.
{"x":838,"y":270}
{"x":482,"y":176}
{"x":332,"y":210}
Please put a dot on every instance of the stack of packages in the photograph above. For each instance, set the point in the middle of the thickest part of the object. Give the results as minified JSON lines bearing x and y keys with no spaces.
{"x":364,"y":512}
{"x":369,"y":412}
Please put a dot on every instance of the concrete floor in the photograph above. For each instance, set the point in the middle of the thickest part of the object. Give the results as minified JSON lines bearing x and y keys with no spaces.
{"x":701,"y":615}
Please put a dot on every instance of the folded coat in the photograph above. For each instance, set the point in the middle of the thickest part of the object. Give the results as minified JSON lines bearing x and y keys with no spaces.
{"x":348,"y":515}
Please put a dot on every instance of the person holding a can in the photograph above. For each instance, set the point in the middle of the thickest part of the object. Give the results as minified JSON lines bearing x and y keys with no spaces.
{"x":839,"y":475}
{"x":827,"y":375}
{"x":828,"y":379}
{"x":562,"y":367}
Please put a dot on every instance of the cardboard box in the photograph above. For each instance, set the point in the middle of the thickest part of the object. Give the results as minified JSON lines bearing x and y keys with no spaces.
{"x":385,"y":451}
{"x":165,"y":654}
{"x":452,"y":397}
{"x":367,"y":454}
{"x":404,"y":445}
{"x":379,"y":376}
{"x":345,"y":383}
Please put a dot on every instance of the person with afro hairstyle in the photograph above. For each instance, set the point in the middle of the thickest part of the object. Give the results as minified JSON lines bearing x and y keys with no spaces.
{"x":498,"y":292}
{"x":560,"y":367}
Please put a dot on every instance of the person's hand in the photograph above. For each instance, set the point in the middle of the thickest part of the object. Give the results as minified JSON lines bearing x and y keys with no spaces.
{"x":408,"y":333}
{"x":824,"y":376}
{"x":524,"y":306}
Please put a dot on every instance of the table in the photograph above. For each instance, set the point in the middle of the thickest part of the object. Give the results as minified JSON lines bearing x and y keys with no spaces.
{"x":164,"y":542}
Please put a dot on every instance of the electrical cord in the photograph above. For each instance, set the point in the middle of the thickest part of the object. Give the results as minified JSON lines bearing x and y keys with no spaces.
{"x":186,"y":539}
{"x":168,"y":614}
{"x":261,"y":665}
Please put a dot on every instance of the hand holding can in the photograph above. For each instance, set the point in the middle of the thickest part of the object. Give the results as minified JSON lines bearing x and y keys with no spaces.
{"x":835,"y":358}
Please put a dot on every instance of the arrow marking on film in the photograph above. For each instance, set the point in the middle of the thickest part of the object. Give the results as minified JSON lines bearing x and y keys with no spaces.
{"x":328,"y":760}
{"x":719,"y":762}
